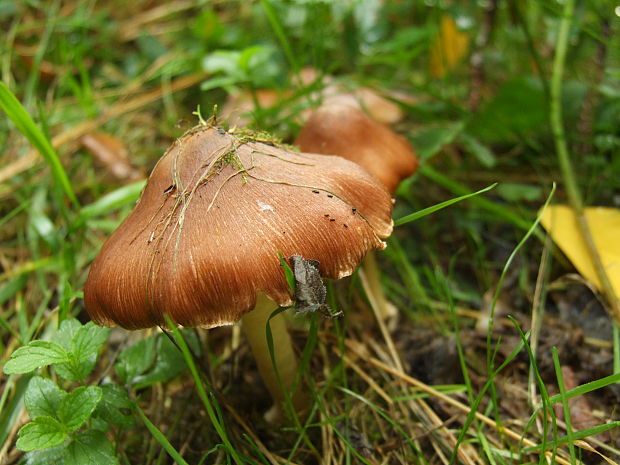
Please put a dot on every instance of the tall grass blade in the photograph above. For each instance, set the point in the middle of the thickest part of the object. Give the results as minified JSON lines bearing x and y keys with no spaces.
{"x":565,"y":406}
{"x":202,"y":391}
{"x":22,"y":120}
{"x":159,"y":436}
{"x":427,"y":211}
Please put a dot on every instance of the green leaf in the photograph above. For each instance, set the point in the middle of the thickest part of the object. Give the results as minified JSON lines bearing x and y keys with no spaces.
{"x":90,"y":448}
{"x":112,"y":201}
{"x":78,"y":405}
{"x":429,"y":140}
{"x":51,"y":456}
{"x":136,"y":360}
{"x":43,"y":397}
{"x":113,"y":400}
{"x":478,"y":150}
{"x":169,"y":362}
{"x":41,"y":433}
{"x":517,"y":110}
{"x":45,"y":228}
{"x":288,"y":273}
{"x":87,"y":340}
{"x":35,"y":355}
{"x":66,"y":331}
{"x":76,"y":370}
{"x":22,"y":120}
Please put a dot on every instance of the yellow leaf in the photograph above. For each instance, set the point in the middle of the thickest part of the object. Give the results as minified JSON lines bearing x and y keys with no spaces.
{"x":448,"y":48}
{"x":561,"y":223}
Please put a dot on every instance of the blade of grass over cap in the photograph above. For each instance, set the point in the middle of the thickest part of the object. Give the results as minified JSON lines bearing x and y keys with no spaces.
{"x":427,"y":211}
{"x":22,"y":120}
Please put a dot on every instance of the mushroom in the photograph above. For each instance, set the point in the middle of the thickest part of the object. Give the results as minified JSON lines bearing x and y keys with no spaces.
{"x":202,"y":245}
{"x":376,"y":103}
{"x":343,"y":129}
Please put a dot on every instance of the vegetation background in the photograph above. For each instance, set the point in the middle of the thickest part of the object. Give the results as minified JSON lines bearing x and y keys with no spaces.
{"x":502,"y":354}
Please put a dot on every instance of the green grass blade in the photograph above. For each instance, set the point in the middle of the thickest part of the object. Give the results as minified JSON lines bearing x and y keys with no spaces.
{"x":546,"y":405}
{"x":112,"y":201}
{"x":427,"y":211}
{"x":202,"y":391}
{"x":565,"y":407}
{"x":576,"y":436}
{"x":276,"y":25}
{"x":501,"y":211}
{"x":160,"y":437}
{"x":587,"y":387}
{"x":22,"y":120}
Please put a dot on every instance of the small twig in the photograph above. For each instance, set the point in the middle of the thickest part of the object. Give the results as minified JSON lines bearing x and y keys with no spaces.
{"x":572,"y":189}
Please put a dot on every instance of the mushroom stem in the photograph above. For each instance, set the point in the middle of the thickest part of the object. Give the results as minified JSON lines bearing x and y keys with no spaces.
{"x":385,"y":309}
{"x":254,"y":327}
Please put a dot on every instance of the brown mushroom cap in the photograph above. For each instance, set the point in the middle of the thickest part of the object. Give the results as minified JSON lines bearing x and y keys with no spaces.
{"x":204,"y":238}
{"x":342,"y":129}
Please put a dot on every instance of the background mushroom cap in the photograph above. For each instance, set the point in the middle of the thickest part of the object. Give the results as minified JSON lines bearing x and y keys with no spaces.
{"x":204,"y":238}
{"x":341,"y":129}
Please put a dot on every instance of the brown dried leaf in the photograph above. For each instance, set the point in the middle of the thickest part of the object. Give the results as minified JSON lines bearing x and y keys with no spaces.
{"x":112,"y":153}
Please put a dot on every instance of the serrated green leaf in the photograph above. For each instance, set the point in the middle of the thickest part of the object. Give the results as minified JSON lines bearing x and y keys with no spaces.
{"x":43,"y":397}
{"x":66,"y":331}
{"x":41,"y":433}
{"x":35,"y":355}
{"x":78,"y":405}
{"x":87,"y":340}
{"x":90,"y":448}
{"x":76,"y":370}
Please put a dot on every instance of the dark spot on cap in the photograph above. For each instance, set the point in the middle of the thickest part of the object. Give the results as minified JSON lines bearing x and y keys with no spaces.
{"x":354,"y":210}
{"x":345,"y":225}
{"x":315,"y":192}
{"x":331,"y":219}
{"x":330,"y":196}
{"x":326,"y":215}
